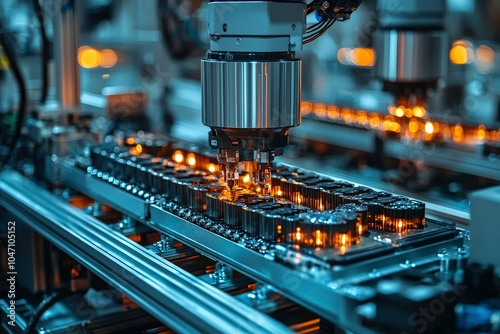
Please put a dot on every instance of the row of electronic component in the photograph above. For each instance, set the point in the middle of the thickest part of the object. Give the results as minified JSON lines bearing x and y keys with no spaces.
{"x":341,"y":212}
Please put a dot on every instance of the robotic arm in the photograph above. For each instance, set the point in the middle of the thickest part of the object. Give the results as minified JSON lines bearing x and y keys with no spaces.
{"x":251,"y":80}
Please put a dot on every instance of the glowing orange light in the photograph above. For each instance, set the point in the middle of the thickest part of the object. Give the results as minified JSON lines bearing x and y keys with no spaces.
{"x":461,"y":52}
{"x":400,"y":226}
{"x":178,"y":156}
{"x":485,"y":54}
{"x":419,"y":111}
{"x":399,"y":112}
{"x":108,"y":58}
{"x":413,"y":126}
{"x":211,"y":168}
{"x":319,"y":242}
{"x":298,"y":235}
{"x":481,"y":132}
{"x":246,"y":178}
{"x":191,"y":159}
{"x":299,"y":199}
{"x":429,"y":128}
{"x":360,"y":229}
{"x":279,"y":192}
{"x":374,"y":120}
{"x":459,"y":131}
{"x":395,"y":127}
{"x":130,"y":141}
{"x":89,"y":57}
{"x":363,"y":57}
{"x":343,"y":239}
{"x":138,"y":148}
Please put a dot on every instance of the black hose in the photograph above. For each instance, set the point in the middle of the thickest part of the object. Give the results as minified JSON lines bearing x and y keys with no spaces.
{"x":23,"y":101}
{"x":45,"y":51}
{"x":44,"y":306}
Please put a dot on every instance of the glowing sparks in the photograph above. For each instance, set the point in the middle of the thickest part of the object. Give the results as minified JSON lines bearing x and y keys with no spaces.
{"x":400,"y":112}
{"x":298,"y":234}
{"x":191,"y":160}
{"x":429,"y":128}
{"x":178,"y":156}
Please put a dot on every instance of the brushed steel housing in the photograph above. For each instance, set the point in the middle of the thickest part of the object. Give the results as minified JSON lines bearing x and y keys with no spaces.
{"x":411,"y":56}
{"x":251,"y":94}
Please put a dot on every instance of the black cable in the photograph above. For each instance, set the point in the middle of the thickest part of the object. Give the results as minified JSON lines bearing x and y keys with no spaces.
{"x":317,"y":27}
{"x":313,"y":38}
{"x":23,"y":100}
{"x":45,"y":51}
{"x":44,"y":306}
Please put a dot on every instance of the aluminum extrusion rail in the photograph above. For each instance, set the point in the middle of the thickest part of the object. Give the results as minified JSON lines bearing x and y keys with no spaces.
{"x":173,"y":296}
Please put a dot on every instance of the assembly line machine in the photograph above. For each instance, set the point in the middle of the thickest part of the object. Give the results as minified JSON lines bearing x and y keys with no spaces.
{"x":110,"y":225}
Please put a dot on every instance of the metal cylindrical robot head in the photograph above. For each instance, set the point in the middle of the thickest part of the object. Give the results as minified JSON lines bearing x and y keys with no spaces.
{"x":251,"y":83}
{"x":411,"y":47}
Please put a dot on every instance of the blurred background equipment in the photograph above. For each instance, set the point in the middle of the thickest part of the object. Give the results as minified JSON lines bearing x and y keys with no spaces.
{"x":249,"y":166}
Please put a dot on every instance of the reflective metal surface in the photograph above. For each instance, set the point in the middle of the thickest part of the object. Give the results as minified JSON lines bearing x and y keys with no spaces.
{"x":167,"y":292}
{"x":251,"y":95}
{"x":411,"y":56}
{"x":331,"y":293}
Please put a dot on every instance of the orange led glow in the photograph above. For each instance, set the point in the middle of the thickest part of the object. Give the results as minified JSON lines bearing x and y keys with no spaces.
{"x":178,"y":156}
{"x":374,"y":120}
{"x":299,"y":199}
{"x":108,"y":58}
{"x":400,"y":112}
{"x":279,"y":192}
{"x":246,"y":178}
{"x":298,"y":234}
{"x":138,"y":148}
{"x":461,"y":52}
{"x":191,"y":159}
{"x":395,"y":127}
{"x":130,"y":141}
{"x":413,"y":126}
{"x":429,"y":128}
{"x":89,"y":57}
{"x":343,"y":240}
{"x":481,"y":132}
{"x":400,"y":226}
{"x":363,"y":57}
{"x":319,"y":242}
{"x":211,"y":168}
{"x":485,"y":54}
{"x":419,"y":111}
